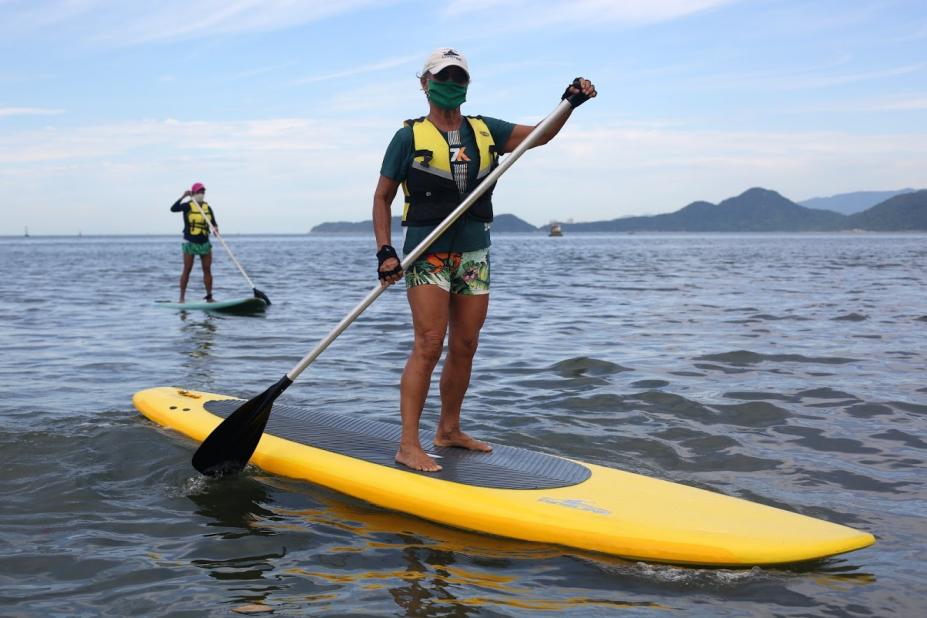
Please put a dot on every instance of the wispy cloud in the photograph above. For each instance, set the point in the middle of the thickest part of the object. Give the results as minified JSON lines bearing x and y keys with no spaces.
{"x":89,"y":144}
{"x":915,"y":35}
{"x":127,"y":23}
{"x":849,"y":78}
{"x":801,"y":78}
{"x":254,"y":72}
{"x":29,"y":111}
{"x":380,"y":65}
{"x":544,"y":12}
{"x":899,"y":103}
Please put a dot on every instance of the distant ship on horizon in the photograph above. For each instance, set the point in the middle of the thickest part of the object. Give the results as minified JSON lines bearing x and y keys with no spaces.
{"x":555,"y":230}
{"x":27,"y":232}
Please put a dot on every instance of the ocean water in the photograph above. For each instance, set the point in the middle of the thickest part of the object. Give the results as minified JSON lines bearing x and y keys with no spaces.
{"x":785,"y":369}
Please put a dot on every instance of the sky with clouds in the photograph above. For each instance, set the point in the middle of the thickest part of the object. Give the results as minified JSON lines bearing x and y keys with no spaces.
{"x":283,"y":108}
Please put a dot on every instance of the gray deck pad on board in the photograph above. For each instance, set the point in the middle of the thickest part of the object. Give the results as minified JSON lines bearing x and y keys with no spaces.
{"x":505,"y":467}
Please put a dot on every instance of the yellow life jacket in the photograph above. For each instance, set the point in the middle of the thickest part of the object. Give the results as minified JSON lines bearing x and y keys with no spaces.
{"x":431,"y":192}
{"x":196,"y":223}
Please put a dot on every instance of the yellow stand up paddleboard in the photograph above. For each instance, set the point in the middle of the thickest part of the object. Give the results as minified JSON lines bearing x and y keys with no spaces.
{"x":516,"y":493}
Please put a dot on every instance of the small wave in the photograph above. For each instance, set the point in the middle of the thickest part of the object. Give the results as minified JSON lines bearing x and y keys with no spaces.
{"x":851,"y":317}
{"x":816,"y":440}
{"x":758,"y":396}
{"x":867,"y":410}
{"x":917,"y":408}
{"x":638,"y":289}
{"x":904,"y":438}
{"x":752,"y":414}
{"x":689,"y":576}
{"x":746,"y":357}
{"x":826,"y":393}
{"x":584,"y":365}
{"x":650,"y":384}
{"x":856,"y":482}
{"x":721,"y":368}
{"x":192,"y":486}
{"x":774,"y":318}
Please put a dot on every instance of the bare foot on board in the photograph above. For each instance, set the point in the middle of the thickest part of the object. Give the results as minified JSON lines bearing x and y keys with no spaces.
{"x":461,"y":440}
{"x":417,"y":459}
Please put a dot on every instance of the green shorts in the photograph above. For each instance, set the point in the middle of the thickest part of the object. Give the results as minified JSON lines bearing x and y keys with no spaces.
{"x":196,"y":248}
{"x":464,"y":273}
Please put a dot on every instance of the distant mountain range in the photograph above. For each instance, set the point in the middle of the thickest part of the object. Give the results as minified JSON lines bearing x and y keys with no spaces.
{"x":851,"y":203}
{"x":755,"y":210}
{"x":905,"y":212}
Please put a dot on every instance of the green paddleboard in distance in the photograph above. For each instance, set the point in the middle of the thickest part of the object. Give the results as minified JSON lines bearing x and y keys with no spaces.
{"x":246,"y":305}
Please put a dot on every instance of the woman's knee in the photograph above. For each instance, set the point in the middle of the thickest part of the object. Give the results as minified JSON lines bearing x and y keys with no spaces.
{"x":429,"y":345}
{"x":464,"y":346}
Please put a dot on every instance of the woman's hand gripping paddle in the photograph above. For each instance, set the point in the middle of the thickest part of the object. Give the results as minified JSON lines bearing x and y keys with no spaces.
{"x":229,"y":447}
{"x":257,"y":292}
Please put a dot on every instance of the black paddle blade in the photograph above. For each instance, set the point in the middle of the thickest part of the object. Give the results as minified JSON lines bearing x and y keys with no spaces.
{"x":229,"y":447}
{"x":261,"y":295}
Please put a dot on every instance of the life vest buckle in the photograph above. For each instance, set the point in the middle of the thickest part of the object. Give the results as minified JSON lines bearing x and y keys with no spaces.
{"x":427,"y":156}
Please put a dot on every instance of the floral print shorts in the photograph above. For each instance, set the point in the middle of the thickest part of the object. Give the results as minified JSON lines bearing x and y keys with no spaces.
{"x":196,"y":248}
{"x":458,"y":273}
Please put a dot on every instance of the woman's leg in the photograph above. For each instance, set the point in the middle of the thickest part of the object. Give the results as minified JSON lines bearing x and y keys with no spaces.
{"x":185,"y":275}
{"x":467,"y":314}
{"x":206,"y":262}
{"x":430,"y":305}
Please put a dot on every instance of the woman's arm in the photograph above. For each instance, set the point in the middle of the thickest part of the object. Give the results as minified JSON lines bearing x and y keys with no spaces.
{"x":521,"y":131}
{"x":178,"y":207}
{"x":383,"y":197}
{"x":383,"y":222}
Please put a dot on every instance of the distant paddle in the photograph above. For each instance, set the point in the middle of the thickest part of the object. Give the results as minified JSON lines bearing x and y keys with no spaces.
{"x":257,"y":292}
{"x":229,"y":447}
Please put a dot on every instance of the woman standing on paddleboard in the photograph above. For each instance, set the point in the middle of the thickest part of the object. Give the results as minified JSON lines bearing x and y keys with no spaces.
{"x":196,"y":236}
{"x":438,"y":159}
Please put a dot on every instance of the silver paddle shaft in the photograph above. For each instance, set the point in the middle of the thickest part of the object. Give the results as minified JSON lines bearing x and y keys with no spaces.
{"x":222,"y":240}
{"x":530,"y":140}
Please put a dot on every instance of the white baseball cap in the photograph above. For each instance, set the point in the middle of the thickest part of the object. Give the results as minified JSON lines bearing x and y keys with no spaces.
{"x":444,"y":57}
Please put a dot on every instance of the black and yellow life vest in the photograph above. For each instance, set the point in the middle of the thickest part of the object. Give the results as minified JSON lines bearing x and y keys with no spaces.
{"x":196,"y":223}
{"x":430,"y":189}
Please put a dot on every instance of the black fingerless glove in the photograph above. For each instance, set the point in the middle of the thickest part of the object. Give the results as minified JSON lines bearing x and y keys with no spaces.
{"x":386,"y":252}
{"x":575,"y":98}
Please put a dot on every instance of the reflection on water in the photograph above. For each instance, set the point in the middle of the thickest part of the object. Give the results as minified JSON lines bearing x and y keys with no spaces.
{"x":787,"y":370}
{"x":197,"y":336}
{"x":236,"y":503}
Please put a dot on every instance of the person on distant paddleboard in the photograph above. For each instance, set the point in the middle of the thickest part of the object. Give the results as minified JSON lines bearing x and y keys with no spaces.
{"x":196,"y":237}
{"x":438,"y":159}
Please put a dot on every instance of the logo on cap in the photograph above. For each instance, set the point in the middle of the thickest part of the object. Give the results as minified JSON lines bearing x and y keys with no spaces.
{"x":451,"y":53}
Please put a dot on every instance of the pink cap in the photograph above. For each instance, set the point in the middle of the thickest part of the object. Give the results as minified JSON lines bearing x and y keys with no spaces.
{"x":197,"y":187}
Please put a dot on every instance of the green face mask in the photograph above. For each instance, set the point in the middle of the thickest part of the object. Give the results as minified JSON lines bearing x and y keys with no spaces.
{"x":446,"y":95}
